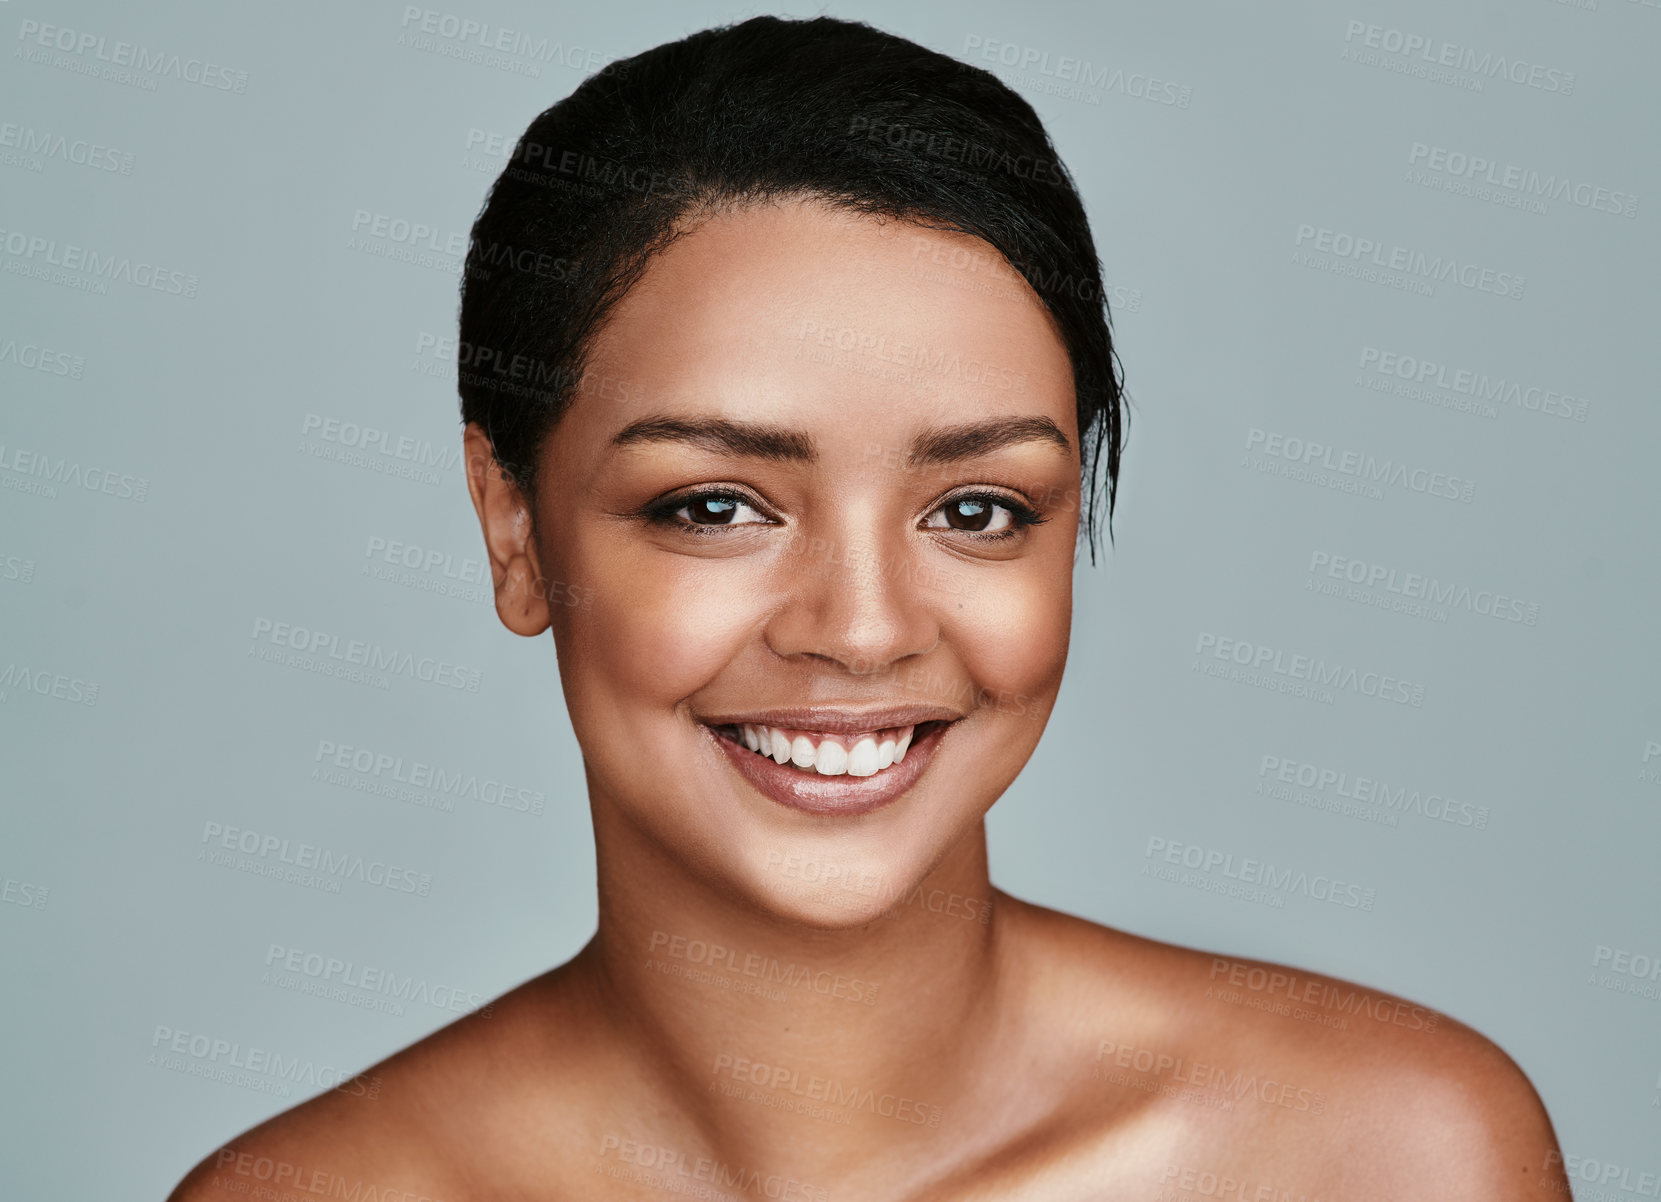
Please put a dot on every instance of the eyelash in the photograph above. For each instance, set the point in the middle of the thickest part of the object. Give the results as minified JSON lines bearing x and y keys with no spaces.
{"x":1022,"y":516}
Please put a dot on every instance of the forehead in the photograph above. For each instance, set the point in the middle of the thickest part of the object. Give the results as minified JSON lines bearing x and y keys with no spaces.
{"x":798,"y":311}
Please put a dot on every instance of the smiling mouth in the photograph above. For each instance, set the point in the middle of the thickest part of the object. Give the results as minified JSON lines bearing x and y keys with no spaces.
{"x":821,"y":754}
{"x":830,"y":773}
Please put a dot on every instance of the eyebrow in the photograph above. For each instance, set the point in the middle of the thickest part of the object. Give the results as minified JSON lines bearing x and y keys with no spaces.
{"x":754,"y":440}
{"x":758,"y":440}
{"x":950,"y":444}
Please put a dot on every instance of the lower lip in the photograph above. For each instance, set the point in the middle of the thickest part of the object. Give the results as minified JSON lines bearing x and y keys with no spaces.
{"x":839,"y":795}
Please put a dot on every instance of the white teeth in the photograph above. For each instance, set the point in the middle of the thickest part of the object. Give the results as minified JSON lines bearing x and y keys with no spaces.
{"x":831,"y":759}
{"x":863,"y":759}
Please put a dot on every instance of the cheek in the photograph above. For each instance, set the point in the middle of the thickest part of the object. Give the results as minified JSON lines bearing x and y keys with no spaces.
{"x":1012,"y":633}
{"x":673,"y":626}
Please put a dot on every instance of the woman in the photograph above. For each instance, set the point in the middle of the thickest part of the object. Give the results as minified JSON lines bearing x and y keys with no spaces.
{"x":784,"y":351}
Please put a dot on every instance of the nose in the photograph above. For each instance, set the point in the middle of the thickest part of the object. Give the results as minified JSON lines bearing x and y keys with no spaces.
{"x":857,"y":598}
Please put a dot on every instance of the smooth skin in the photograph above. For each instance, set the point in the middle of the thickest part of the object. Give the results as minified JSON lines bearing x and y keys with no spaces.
{"x":863,"y":407}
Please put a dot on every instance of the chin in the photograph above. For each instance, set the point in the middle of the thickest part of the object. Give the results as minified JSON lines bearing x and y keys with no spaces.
{"x":837,"y":873}
{"x":821,"y":907}
{"x":751,"y":817}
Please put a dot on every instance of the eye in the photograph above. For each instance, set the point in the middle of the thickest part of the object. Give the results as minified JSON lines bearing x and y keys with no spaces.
{"x":711,"y":508}
{"x":983,"y":513}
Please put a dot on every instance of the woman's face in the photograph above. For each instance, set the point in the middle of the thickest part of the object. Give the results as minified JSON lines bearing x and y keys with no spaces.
{"x":794,"y":493}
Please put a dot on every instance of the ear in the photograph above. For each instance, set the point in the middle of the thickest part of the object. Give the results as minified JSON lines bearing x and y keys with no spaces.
{"x":505,"y":517}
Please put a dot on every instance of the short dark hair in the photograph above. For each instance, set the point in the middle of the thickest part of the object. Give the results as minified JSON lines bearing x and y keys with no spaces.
{"x":769,"y":108}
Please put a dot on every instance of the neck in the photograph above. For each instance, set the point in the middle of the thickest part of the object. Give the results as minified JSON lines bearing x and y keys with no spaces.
{"x":754,"y":1027}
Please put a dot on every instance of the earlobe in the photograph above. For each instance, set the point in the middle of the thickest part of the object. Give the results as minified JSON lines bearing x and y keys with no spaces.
{"x":505,"y":520}
{"x":521,"y":598}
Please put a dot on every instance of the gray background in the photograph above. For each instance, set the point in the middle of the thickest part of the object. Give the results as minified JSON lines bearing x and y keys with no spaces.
{"x":112,"y":924}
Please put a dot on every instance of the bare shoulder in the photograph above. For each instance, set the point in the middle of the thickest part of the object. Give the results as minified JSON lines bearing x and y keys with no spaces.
{"x":1311,"y":1082}
{"x":411,"y":1125}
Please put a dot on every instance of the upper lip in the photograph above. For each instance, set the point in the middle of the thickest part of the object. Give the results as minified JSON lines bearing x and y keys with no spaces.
{"x":836,"y":719}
